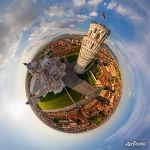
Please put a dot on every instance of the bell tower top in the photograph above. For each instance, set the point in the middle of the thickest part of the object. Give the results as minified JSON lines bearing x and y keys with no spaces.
{"x":98,"y":32}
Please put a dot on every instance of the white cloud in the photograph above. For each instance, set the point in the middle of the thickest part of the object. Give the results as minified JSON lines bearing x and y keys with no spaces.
{"x":94,"y":2}
{"x":48,"y":29}
{"x":93,"y":14}
{"x":34,"y":1}
{"x":112,"y":5}
{"x":82,"y":18}
{"x":87,"y":3}
{"x":70,"y":22}
{"x":43,"y":30}
{"x":105,"y":3}
{"x":79,"y":3}
{"x":70,"y":13}
{"x":72,"y":26}
{"x":55,"y":11}
{"x":73,"y":20}
{"x":14,"y":19}
{"x":123,"y":10}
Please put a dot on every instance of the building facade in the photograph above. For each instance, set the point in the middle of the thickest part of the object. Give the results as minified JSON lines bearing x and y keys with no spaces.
{"x":91,"y":44}
{"x":46,"y":76}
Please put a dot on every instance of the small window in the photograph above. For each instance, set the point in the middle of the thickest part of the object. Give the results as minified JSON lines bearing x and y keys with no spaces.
{"x":92,"y":45}
{"x":95,"y":30}
{"x":98,"y":35}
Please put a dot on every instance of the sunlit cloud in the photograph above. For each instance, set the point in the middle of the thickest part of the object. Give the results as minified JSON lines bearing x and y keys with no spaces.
{"x":124,"y":10}
{"x":93,"y":14}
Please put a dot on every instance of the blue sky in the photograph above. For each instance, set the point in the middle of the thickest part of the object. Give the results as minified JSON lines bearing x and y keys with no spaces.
{"x":26,"y":25}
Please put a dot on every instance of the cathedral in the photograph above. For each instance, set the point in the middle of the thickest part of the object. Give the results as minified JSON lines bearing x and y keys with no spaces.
{"x":46,"y":76}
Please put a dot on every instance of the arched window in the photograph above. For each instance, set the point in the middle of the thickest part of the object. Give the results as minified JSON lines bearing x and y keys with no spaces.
{"x":95,"y":30}
{"x":92,"y":45}
{"x":98,"y":35}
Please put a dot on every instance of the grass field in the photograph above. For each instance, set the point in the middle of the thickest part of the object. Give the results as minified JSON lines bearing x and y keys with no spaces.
{"x":52,"y":101}
{"x":72,"y":57}
{"x":87,"y":76}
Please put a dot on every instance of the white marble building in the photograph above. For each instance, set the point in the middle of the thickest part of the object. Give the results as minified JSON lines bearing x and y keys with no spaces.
{"x":91,"y":44}
{"x":46,"y":76}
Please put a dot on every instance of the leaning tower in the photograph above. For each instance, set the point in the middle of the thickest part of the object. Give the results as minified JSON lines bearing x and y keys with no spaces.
{"x":91,"y":44}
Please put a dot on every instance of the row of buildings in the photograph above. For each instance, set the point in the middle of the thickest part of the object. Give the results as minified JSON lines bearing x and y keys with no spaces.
{"x":109,"y":77}
{"x":68,"y":44}
{"x":78,"y":119}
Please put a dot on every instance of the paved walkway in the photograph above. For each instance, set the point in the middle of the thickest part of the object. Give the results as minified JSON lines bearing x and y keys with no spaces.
{"x":72,"y":81}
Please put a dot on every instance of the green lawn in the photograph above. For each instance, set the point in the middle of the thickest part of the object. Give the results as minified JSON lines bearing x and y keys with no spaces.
{"x":52,"y":101}
{"x":87,"y":76}
{"x":75,"y":95}
{"x":84,"y":76}
{"x":91,"y":79}
{"x":72,"y":57}
{"x":96,"y":72}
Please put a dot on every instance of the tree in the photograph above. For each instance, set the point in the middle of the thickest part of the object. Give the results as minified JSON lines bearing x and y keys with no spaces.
{"x":56,"y":120}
